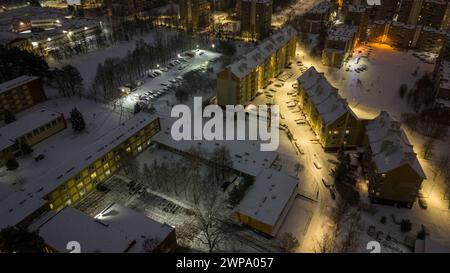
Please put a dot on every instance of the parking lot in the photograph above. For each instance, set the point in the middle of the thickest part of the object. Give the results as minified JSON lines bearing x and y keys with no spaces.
{"x":161,"y":80}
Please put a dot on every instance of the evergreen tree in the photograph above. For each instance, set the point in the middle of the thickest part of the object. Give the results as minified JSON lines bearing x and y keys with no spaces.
{"x":12,"y":164}
{"x":25,"y":148}
{"x":77,"y":120}
{"x":9,"y":116}
{"x":137,"y":108}
{"x":21,"y":241}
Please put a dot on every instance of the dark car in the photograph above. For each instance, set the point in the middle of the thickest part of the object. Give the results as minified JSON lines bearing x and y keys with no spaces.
{"x":39,"y":157}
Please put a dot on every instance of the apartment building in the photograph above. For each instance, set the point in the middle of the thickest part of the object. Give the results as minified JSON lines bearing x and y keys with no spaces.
{"x":318,"y":17}
{"x":194,"y":14}
{"x":387,"y":10}
{"x":256,"y":19}
{"x":239,"y":82}
{"x":429,"y":13}
{"x":357,"y":15}
{"x":404,"y":36}
{"x":442,"y":78}
{"x":66,"y":183}
{"x":394,"y":173}
{"x":327,"y":112}
{"x":20,"y":93}
{"x":30,"y":129}
{"x":339,"y":44}
{"x":267,"y":202}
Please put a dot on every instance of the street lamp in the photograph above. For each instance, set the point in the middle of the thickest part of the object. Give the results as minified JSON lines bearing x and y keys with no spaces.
{"x":198,"y":46}
{"x":213,"y":45}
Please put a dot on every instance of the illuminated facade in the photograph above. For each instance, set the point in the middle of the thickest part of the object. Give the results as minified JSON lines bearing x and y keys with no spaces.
{"x":329,"y":116}
{"x":339,"y":44}
{"x":256,"y":19}
{"x":394,"y":173}
{"x":194,"y":14}
{"x":239,"y":82}
{"x":101,"y":168}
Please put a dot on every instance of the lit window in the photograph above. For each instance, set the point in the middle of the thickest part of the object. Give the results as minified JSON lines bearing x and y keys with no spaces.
{"x":93,"y":175}
{"x":347,"y":131}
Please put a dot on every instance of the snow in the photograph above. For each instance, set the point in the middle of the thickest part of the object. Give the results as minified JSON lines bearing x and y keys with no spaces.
{"x":134,"y":224}
{"x":19,"y":81}
{"x":268,"y":197}
{"x":245,"y":155}
{"x":30,"y":196}
{"x":390,"y":146}
{"x":324,"y":96}
{"x":70,"y":224}
{"x":11,"y":132}
{"x":342,"y":32}
{"x":264,"y":50}
{"x":429,"y":245}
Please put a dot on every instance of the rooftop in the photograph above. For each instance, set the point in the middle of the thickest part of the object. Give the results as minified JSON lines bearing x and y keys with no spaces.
{"x":325,"y":97}
{"x":116,"y":229}
{"x":245,"y":155}
{"x":342,"y":32}
{"x":258,"y":55}
{"x":320,"y":8}
{"x":19,"y":81}
{"x":11,"y":132}
{"x":268,"y":196}
{"x":389,"y":145}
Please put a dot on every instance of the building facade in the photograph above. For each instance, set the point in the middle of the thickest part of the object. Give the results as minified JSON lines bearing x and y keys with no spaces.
{"x":256,"y":19}
{"x":194,"y":14}
{"x":317,"y":18}
{"x":20,"y":93}
{"x":339,"y":44}
{"x":240,"y":82}
{"x":328,"y":114}
{"x":393,"y":171}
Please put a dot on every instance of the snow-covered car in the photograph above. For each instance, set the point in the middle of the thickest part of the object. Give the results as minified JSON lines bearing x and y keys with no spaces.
{"x":317,"y":165}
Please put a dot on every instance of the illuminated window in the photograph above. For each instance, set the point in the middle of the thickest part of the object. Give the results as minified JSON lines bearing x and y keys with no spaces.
{"x":93,"y":175}
{"x":108,"y":172}
{"x":139,"y":148}
{"x":347,"y":131}
{"x":128,"y":149}
{"x":80,"y":185}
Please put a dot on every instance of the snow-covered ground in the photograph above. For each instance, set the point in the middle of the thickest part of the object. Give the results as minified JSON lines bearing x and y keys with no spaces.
{"x":376,"y":89}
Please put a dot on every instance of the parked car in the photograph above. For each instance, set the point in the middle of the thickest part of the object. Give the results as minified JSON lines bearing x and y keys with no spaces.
{"x":39,"y":157}
{"x":317,"y":165}
{"x":327,"y":184}
{"x":423,"y":203}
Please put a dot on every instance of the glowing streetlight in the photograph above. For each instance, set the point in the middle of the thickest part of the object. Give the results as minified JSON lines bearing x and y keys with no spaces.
{"x":34,"y":44}
{"x":49,"y":39}
{"x":21,"y":23}
{"x":213,"y":45}
{"x":198,"y":46}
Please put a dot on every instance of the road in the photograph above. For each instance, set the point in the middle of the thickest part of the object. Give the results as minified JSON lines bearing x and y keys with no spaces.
{"x":312,"y":152}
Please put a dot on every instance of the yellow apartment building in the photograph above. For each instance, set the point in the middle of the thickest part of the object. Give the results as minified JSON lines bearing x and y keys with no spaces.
{"x":239,"y":82}
{"x":327,"y":113}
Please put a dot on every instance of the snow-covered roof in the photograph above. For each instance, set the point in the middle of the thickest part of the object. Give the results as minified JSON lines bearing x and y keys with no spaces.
{"x":390,"y":146}
{"x":5,"y":190}
{"x":19,"y":81}
{"x":135,"y":225}
{"x":264,"y":50}
{"x":117,"y":229}
{"x":26,"y":200}
{"x":257,"y":1}
{"x":245,"y":155}
{"x":55,"y":22}
{"x":342,"y":32}
{"x":11,"y":132}
{"x":70,"y":224}
{"x":357,"y":8}
{"x":325,"y":97}
{"x":320,"y":8}
{"x":268,"y":196}
{"x":7,"y":37}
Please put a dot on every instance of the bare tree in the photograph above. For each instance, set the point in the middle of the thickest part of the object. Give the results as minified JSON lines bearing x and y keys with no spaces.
{"x":210,"y":228}
{"x":428,"y":148}
{"x":288,"y":243}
